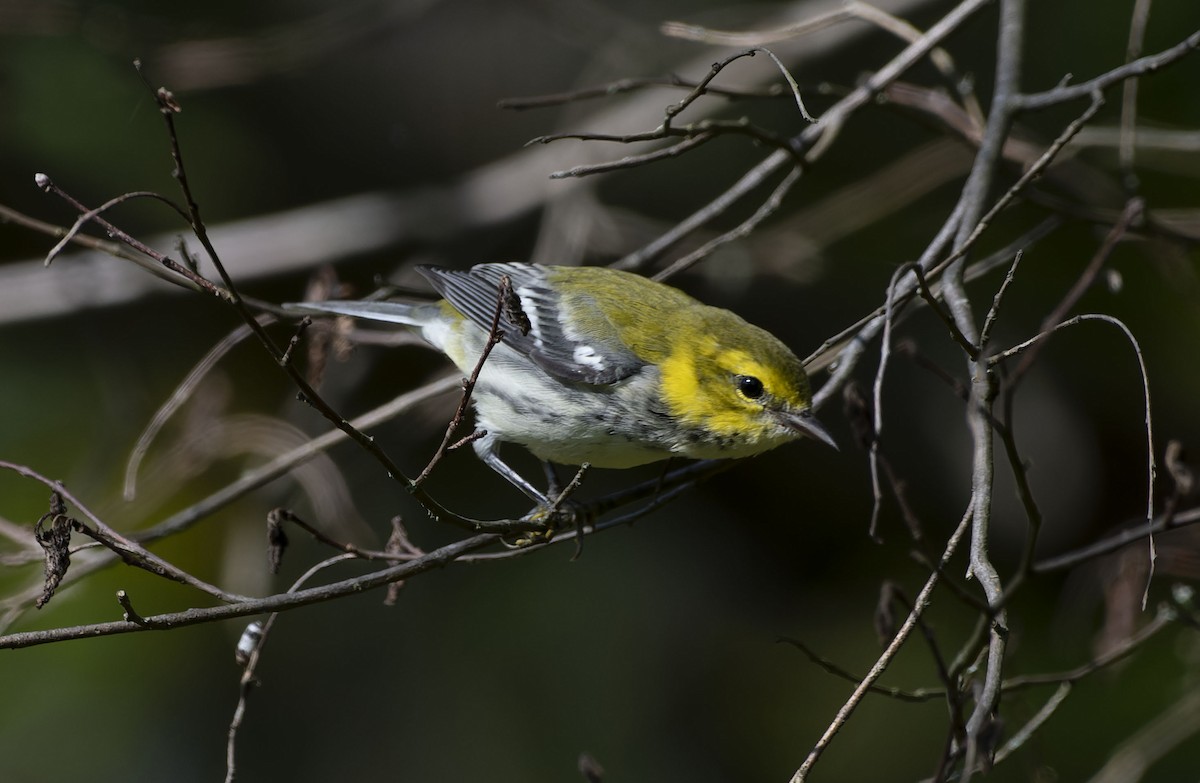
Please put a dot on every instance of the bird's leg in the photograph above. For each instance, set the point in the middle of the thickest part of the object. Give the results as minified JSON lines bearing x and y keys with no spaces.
{"x":553,"y":485}
{"x":553,"y":510}
{"x":493,"y":461}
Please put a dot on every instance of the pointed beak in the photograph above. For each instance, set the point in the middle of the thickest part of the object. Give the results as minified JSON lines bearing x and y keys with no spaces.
{"x":804,"y":423}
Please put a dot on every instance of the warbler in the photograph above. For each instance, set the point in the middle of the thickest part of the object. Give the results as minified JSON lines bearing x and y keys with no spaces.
{"x":605,"y":367}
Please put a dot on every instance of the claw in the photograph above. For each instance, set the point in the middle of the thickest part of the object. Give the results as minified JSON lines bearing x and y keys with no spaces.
{"x":550,"y":519}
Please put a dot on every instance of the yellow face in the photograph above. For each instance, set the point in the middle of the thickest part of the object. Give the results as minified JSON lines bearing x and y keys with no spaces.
{"x":736,"y":396}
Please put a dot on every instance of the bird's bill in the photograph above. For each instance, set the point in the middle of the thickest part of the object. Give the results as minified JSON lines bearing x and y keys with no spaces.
{"x":805,"y":424}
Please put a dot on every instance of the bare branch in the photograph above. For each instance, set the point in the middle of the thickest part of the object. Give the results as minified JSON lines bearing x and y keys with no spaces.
{"x":255,"y":637}
{"x":864,"y":685}
{"x":1140,"y":67}
{"x":837,"y":114}
{"x":504,"y":296}
{"x":128,"y":550}
{"x":629,"y":85}
{"x":1137,"y":349}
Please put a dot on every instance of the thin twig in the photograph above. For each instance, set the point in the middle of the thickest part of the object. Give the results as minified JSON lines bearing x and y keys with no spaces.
{"x":249,"y":481}
{"x":182,"y":393}
{"x":1140,"y":67}
{"x":45,"y":183}
{"x":280,"y":515}
{"x":1163,"y":618}
{"x":866,"y":327}
{"x":247,"y":681}
{"x":1033,"y":172}
{"x":832,"y":118}
{"x":703,"y":130}
{"x":1104,"y":546}
{"x":1152,"y":467}
{"x":631,"y":161}
{"x":494,"y":336}
{"x":1022,"y":735}
{"x":91,"y":214}
{"x":985,"y":333}
{"x":971,"y":350}
{"x":458,"y":551}
{"x":1033,"y":513}
{"x":628,"y":85}
{"x":128,"y":550}
{"x":864,"y":685}
{"x":885,"y":349}
{"x":791,"y":83}
{"x":108,"y":247}
{"x":168,"y":108}
{"x":743,"y":229}
{"x":916,"y":697}
{"x":252,"y":606}
{"x":1129,"y":91}
{"x":1132,"y":213}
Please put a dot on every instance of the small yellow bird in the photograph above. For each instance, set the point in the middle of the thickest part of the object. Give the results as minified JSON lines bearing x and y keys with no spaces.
{"x":615,"y":370}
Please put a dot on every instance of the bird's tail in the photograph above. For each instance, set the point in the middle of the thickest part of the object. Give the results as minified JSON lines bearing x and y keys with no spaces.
{"x":416,"y":314}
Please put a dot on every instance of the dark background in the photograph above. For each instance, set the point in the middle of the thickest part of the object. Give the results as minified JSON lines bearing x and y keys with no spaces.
{"x":658,"y":650}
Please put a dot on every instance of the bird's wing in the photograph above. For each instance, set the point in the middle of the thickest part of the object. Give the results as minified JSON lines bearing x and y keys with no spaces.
{"x":594,"y":358}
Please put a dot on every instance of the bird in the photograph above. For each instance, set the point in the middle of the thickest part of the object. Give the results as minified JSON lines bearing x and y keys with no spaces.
{"x":603,"y":367}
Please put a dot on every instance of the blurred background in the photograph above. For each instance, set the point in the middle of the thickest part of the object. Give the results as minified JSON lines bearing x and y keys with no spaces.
{"x":367,"y":136}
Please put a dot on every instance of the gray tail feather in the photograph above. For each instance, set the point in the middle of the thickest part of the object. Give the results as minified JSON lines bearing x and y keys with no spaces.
{"x":408,"y":313}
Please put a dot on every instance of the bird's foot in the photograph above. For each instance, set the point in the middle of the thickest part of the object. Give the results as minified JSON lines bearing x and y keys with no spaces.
{"x":547,"y":520}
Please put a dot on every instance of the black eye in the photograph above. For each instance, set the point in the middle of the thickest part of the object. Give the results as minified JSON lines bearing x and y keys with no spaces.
{"x":750,"y":387}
